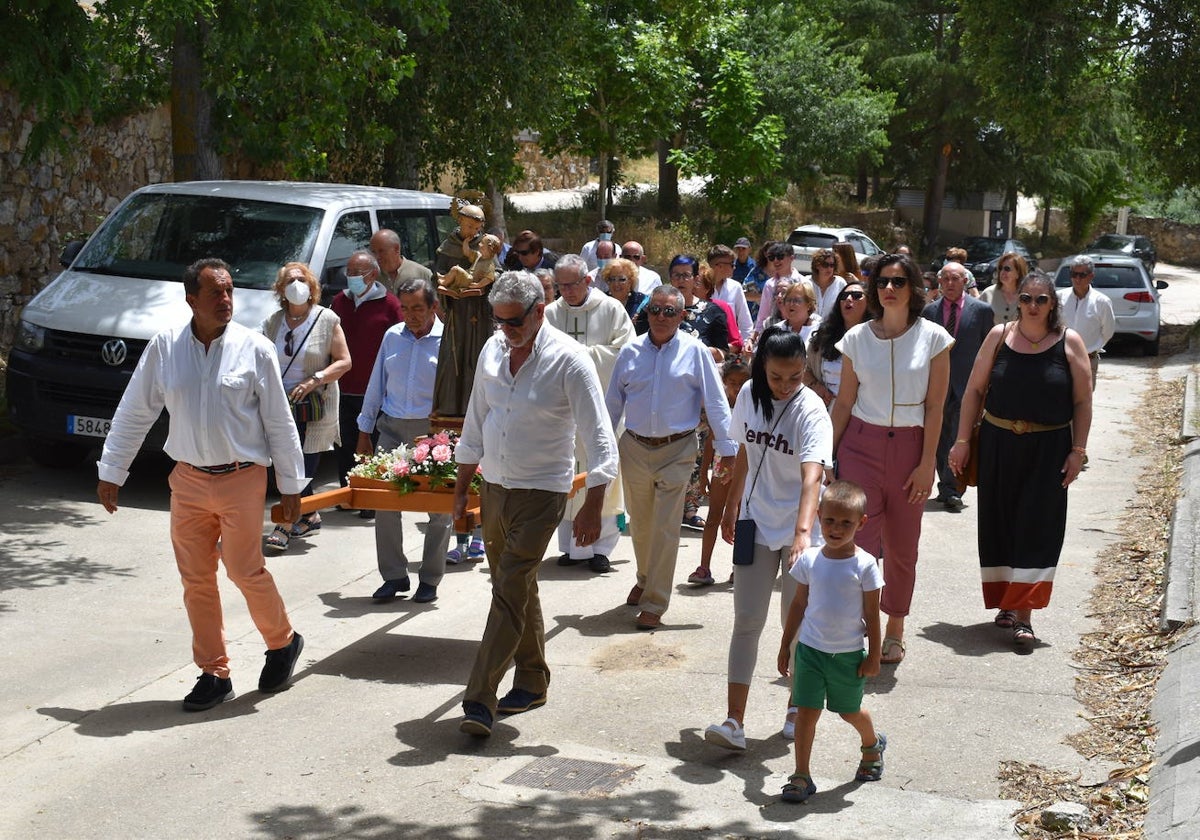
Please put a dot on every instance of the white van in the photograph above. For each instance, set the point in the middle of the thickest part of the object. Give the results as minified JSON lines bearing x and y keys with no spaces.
{"x":79,"y":340}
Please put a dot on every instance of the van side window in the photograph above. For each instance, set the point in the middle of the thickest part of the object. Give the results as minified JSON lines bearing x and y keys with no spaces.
{"x":352,"y":233}
{"x":413,"y":228}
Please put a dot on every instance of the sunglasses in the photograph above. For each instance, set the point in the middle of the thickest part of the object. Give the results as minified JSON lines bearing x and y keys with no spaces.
{"x":827,"y":264}
{"x":612,"y":280}
{"x":778,"y":257}
{"x":515,"y":322}
{"x":855,"y":295}
{"x":894,"y":282}
{"x":287,"y":343}
{"x":665,"y":311}
{"x":795,"y":302}
{"x":1006,"y":268}
{"x":1081,"y":274}
{"x":1026,"y":298}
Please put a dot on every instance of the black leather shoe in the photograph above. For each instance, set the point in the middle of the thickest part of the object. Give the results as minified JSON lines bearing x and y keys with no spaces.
{"x":366,"y":514}
{"x":478,"y":720}
{"x":567,"y":560}
{"x":280,"y":664}
{"x":209,"y":691}
{"x":954,"y":503}
{"x":426,"y":593}
{"x":519,"y":700}
{"x":391,"y":588}
{"x":599,"y":564}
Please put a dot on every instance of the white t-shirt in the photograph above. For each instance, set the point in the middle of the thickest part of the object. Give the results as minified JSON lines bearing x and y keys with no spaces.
{"x":803,"y":433}
{"x":833,"y":621}
{"x":893,"y":374}
{"x":831,"y":374}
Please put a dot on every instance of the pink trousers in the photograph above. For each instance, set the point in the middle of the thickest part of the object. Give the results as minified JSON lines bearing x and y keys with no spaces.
{"x":220,"y":517}
{"x":880,"y":459}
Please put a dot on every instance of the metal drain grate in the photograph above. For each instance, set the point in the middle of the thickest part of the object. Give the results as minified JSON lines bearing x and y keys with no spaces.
{"x":571,"y":775}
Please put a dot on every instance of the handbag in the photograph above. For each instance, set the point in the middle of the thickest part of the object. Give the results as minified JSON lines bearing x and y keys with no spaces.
{"x":745,"y":530}
{"x":312,"y":407}
{"x":969,"y":475}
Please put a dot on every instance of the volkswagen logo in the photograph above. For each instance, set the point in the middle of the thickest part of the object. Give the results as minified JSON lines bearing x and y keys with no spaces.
{"x":114,"y":352}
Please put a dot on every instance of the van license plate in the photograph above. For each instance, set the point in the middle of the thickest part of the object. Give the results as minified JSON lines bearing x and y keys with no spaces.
{"x":89,"y":426}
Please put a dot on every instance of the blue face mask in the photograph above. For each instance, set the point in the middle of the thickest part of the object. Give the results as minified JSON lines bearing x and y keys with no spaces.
{"x":604,"y":237}
{"x":356,"y":284}
{"x":602,"y":263}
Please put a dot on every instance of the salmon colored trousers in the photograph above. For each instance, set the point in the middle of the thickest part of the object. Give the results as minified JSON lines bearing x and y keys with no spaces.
{"x":220,"y":517}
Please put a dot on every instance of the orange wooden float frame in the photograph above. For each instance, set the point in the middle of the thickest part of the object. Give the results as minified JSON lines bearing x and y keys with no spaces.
{"x":376,"y":494}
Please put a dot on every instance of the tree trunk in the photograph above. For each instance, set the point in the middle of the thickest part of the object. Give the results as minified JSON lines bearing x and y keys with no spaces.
{"x":1045,"y":221}
{"x":668,"y":183}
{"x":934,"y":196}
{"x":861,"y":194}
{"x":497,"y":196}
{"x":193,"y":142}
{"x":602,"y":197}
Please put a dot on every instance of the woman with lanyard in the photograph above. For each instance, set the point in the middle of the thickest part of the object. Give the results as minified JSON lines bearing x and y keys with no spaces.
{"x":1002,"y":295}
{"x":787,"y":444}
{"x":313,"y":356}
{"x":887,"y":419}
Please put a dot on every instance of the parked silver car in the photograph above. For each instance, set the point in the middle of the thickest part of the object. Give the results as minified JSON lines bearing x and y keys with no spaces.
{"x":1133,"y":294}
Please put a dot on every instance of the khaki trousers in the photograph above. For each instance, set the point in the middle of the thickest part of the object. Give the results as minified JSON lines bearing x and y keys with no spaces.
{"x":221,"y":516}
{"x":655,"y":480}
{"x":517,"y":527}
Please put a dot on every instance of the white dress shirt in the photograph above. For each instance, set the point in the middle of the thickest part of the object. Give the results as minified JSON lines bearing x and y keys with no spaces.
{"x":401,"y":384}
{"x":660,"y":390}
{"x":1091,"y":316}
{"x":226,"y":405}
{"x":732,"y":293}
{"x":648,"y":280}
{"x":521,"y":429}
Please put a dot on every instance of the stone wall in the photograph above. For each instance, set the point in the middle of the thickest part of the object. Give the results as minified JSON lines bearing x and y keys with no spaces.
{"x":561,"y":172}
{"x":46,"y":203}
{"x":1177,"y":243}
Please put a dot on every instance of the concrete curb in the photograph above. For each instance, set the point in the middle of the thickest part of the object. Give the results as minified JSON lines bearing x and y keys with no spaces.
{"x":1179,"y":598}
{"x":1174,"y":782}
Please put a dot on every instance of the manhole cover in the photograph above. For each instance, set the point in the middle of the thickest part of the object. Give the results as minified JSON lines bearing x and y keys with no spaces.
{"x":571,"y":775}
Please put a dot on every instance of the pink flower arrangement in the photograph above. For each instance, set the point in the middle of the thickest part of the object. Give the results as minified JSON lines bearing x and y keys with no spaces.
{"x":432,"y":457}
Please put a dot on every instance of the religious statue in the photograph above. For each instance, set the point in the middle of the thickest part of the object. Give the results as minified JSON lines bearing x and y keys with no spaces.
{"x":466,"y":266}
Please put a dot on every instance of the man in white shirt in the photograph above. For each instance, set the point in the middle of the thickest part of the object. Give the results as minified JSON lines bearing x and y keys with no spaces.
{"x":604,"y":233}
{"x":606,"y":252}
{"x":534,"y":390}
{"x":720,"y":264}
{"x":229,"y":419}
{"x":1087,"y":311}
{"x":660,"y":382}
{"x":648,"y":280}
{"x":602,"y":326}
{"x":397,"y":403}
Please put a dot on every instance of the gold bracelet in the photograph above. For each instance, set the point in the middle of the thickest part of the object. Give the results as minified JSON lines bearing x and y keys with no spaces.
{"x":960,"y":440}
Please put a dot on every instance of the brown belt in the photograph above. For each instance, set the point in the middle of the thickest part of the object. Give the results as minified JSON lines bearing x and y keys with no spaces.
{"x":223,"y":469}
{"x":660,"y":441}
{"x":1020,"y":427}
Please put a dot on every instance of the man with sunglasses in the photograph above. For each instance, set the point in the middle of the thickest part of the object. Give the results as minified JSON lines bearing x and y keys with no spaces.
{"x":648,"y":279}
{"x":660,"y":383}
{"x":968,"y":320}
{"x":1087,"y":311}
{"x":535,"y":389}
{"x":601,"y":325}
{"x":529,"y":254}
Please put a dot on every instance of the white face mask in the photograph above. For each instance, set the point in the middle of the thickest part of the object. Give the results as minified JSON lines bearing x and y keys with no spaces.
{"x":297,"y":292}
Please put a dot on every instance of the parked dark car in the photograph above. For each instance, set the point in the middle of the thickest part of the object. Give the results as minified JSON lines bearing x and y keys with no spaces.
{"x":983,"y":252}
{"x":1119,"y":244}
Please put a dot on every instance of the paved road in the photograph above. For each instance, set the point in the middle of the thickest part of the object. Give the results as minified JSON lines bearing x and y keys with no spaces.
{"x":96,"y":658}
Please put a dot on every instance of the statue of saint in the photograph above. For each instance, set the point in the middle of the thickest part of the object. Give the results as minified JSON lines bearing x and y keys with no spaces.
{"x":466,"y":266}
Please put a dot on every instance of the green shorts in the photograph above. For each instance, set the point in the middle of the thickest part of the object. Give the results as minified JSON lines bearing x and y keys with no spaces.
{"x":828,"y":680}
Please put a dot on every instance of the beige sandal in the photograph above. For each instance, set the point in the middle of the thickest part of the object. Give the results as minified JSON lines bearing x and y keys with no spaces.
{"x":890,"y":643}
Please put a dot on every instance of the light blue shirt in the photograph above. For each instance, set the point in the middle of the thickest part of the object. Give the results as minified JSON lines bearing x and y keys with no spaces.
{"x":401,"y":383}
{"x":660,"y":390}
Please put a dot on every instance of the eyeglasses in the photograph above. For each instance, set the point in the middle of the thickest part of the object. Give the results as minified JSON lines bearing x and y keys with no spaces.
{"x":665,"y":311}
{"x":287,"y":343}
{"x":778,"y":257}
{"x":721,"y":262}
{"x":612,"y":280}
{"x":827,"y":264}
{"x":566,"y":286}
{"x":854,"y":295}
{"x":1026,"y":298}
{"x":515,"y":322}
{"x":675,"y":275}
{"x":1081,"y":274}
{"x":795,"y":302}
{"x":1006,"y":268}
{"x":894,"y":282}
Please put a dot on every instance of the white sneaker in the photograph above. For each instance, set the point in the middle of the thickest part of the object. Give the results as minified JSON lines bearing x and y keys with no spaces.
{"x":729,"y":735}
{"x":789,"y":724}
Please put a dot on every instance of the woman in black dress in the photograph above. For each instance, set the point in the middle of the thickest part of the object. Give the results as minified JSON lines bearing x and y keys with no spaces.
{"x":1033,"y":380}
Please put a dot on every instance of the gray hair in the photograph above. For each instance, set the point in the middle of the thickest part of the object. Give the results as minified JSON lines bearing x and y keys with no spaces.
{"x":521,"y":287}
{"x":674,"y":294}
{"x":568,"y":262}
{"x":366,"y":255}
{"x":1084,"y":261}
{"x":418,"y":286}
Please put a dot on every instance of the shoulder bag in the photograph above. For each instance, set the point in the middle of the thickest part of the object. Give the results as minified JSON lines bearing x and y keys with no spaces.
{"x":312,"y":407}
{"x":969,"y":476}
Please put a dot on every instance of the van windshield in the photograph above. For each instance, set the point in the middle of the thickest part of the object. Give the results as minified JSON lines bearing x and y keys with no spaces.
{"x":156,"y":236}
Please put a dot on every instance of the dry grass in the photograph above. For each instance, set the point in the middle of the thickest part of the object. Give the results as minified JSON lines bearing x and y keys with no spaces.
{"x":1119,"y":664}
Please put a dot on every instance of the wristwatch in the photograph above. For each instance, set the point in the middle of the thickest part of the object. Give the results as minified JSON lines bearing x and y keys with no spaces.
{"x":319,"y":376}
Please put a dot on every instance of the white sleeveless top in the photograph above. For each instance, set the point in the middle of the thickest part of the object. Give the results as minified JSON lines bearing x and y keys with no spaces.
{"x":893,"y":374}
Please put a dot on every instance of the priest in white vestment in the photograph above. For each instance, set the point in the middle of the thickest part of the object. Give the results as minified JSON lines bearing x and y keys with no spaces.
{"x":600,"y":323}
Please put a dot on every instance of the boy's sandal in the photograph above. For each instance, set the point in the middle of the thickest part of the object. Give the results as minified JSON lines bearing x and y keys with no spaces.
{"x":891,"y":643}
{"x":872,"y":771}
{"x":306,"y":525}
{"x":798,"y":788}
{"x":1023,"y":634}
{"x":278,"y":539}
{"x":1005,"y":619}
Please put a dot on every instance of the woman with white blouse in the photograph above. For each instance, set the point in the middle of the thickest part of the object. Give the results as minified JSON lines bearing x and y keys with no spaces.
{"x":886,"y":421}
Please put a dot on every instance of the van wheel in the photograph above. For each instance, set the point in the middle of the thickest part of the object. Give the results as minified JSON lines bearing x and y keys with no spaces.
{"x":57,"y":454}
{"x":1150,"y":348}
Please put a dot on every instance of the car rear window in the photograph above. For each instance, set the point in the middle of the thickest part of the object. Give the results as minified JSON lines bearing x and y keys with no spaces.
{"x":804,"y":239}
{"x":1105,"y":277}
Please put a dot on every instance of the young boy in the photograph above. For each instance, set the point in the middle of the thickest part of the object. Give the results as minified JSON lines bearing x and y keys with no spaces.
{"x":836,"y":600}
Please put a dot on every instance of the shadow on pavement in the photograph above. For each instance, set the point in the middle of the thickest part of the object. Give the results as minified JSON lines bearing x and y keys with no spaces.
{"x":121,"y":719}
{"x":702,"y":763}
{"x":981,"y":639}
{"x":1184,"y":755}
{"x":388,"y":657}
